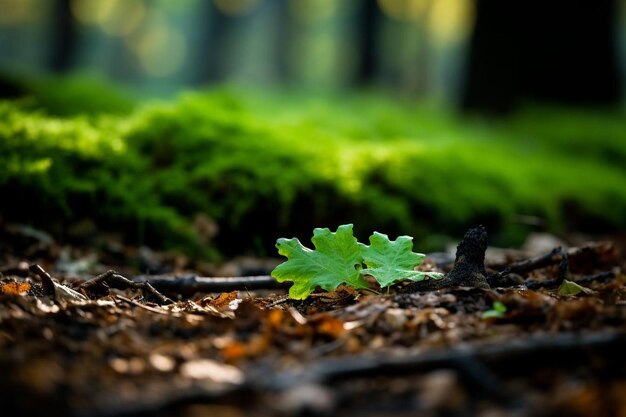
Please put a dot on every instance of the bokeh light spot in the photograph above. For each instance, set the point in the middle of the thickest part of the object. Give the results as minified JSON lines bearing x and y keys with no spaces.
{"x":406,"y":10}
{"x":313,"y":11}
{"x":92,"y":11}
{"x":123,"y":20}
{"x":450,"y":20}
{"x":17,"y":12}
{"x":161,"y":48}
{"x":115,"y":17}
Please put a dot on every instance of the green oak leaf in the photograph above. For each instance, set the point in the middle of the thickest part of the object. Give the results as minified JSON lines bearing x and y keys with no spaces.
{"x":336,"y":260}
{"x":389,"y":262}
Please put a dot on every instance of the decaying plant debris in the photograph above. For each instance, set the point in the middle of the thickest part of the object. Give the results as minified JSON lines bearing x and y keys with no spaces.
{"x":488,"y":340}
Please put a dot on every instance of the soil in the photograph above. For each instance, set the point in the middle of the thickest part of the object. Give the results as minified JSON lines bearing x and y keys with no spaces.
{"x":512,"y":338}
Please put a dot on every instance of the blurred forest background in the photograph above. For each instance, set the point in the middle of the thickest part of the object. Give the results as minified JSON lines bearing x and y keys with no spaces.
{"x":216,"y":126}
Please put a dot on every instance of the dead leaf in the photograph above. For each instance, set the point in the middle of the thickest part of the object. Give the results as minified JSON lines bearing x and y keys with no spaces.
{"x":572,"y":288}
{"x":328,"y":325}
{"x":340,"y":293}
{"x":16,"y":288}
{"x":224,"y":301}
{"x":234,"y":351}
{"x":274,"y":318}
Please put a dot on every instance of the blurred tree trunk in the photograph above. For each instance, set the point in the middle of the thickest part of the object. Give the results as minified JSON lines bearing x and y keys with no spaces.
{"x":284,"y":32}
{"x":367,"y":24}
{"x":558,"y":51}
{"x":217,"y":27}
{"x":421,"y":84}
{"x":63,"y":39}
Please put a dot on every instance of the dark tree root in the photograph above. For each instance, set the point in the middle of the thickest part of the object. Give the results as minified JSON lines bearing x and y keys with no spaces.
{"x":469,"y":268}
{"x":190,"y":284}
{"x":113,"y":279}
{"x":600,"y":277}
{"x":481,"y":368}
{"x":513,"y":356}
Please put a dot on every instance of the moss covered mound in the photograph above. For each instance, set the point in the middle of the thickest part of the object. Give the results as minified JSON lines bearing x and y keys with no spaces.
{"x":262,"y":166}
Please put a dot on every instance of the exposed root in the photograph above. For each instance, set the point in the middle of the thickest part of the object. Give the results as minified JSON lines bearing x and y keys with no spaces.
{"x":469,"y":265}
{"x":113,"y":279}
{"x":190,"y":284}
{"x":469,"y":268}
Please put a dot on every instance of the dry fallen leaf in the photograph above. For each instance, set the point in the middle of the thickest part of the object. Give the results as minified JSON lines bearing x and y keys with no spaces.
{"x":224,"y":301}
{"x":16,"y":288}
{"x":328,"y":325}
{"x":572,"y":288}
{"x":234,"y":351}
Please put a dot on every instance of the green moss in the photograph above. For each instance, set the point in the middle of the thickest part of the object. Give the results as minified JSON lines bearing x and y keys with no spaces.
{"x":265,"y":166}
{"x":78,"y":94}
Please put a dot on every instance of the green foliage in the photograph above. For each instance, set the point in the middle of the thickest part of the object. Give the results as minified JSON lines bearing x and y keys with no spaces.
{"x":263,"y":165}
{"x":497,"y":311}
{"x":78,"y":94}
{"x":62,"y":171}
{"x":572,"y":288}
{"x":390,"y":262}
{"x":336,"y":260}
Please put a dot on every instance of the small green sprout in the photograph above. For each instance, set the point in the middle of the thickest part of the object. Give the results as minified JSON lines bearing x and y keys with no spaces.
{"x":339,"y":259}
{"x":497,"y":311}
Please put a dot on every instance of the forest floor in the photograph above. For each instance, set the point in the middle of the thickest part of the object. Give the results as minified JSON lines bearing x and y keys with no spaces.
{"x":74,"y":345}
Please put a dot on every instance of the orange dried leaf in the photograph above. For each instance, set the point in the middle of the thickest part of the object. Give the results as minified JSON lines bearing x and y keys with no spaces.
{"x":275,"y":318}
{"x":220,"y":302}
{"x":341,"y":292}
{"x":16,"y":288}
{"x":223,"y":299}
{"x":331,"y":327}
{"x":234,"y":351}
{"x":256,"y":346}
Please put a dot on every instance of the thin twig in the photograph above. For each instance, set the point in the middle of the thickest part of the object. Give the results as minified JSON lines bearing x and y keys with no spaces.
{"x":549,"y":283}
{"x":278,"y":301}
{"x":555,"y":256}
{"x":112,"y":278}
{"x":531,"y":264}
{"x":563,"y":269}
{"x":188,"y":285}
{"x":145,"y":307}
